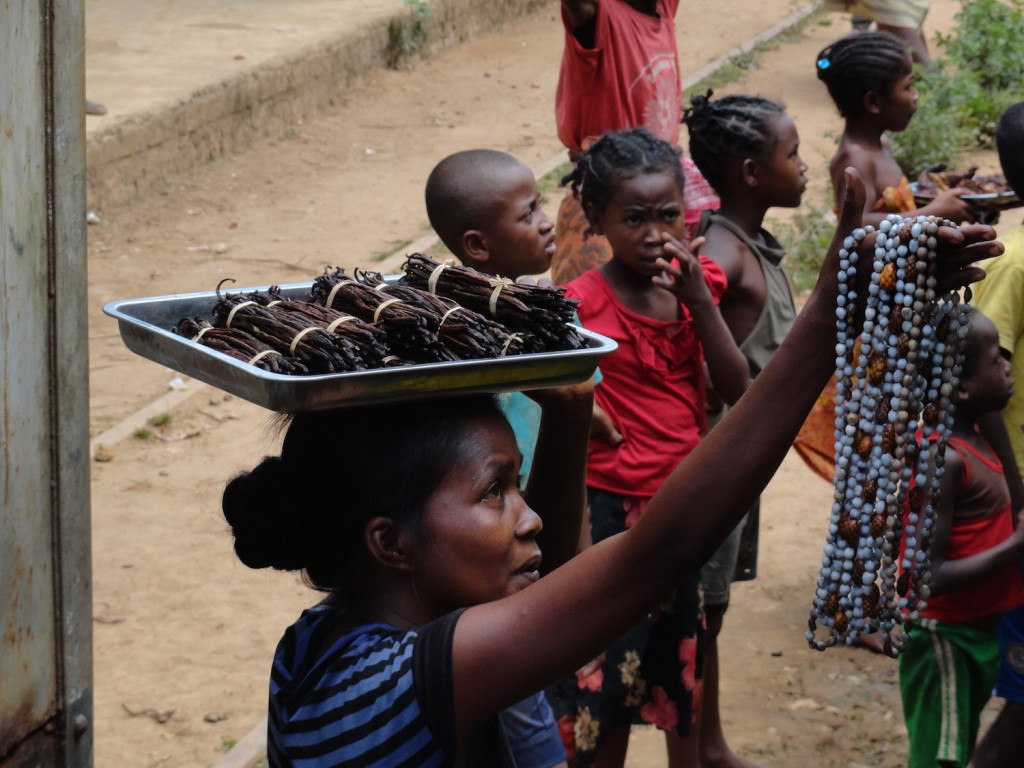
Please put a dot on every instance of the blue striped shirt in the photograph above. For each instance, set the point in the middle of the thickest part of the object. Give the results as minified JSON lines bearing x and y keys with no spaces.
{"x":357,"y":703}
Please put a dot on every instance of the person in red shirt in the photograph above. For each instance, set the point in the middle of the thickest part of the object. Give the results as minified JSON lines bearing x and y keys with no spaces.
{"x":620,"y":69}
{"x":652,"y":389}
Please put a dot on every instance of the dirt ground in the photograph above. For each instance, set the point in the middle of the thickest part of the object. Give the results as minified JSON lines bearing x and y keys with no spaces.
{"x":184,"y":633}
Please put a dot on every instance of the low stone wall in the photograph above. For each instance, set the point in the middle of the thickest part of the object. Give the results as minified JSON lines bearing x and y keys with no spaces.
{"x":138,"y":154}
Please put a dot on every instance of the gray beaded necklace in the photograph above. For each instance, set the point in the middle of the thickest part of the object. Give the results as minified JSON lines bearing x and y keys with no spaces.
{"x":893,"y":381}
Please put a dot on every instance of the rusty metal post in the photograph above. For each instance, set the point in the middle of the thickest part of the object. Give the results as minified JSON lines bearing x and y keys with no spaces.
{"x":45,"y":560}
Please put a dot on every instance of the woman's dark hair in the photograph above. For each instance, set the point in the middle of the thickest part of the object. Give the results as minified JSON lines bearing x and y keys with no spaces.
{"x":859,"y":63}
{"x":616,"y":155}
{"x":306,"y":509}
{"x":731,"y":127}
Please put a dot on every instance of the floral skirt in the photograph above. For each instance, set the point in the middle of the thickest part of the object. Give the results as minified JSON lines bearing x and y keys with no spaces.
{"x":651,"y":675}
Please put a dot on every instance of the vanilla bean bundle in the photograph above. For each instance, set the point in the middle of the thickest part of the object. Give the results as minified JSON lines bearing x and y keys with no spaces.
{"x":320,"y":350}
{"x":411,"y":328}
{"x":366,"y":343}
{"x":542,"y":312}
{"x":468,"y":334}
{"x":238,"y":344}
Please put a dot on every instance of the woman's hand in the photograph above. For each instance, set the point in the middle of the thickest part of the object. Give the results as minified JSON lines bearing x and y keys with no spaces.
{"x":958,"y":248}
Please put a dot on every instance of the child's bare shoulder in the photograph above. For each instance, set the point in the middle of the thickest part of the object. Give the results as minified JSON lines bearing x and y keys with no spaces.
{"x":727,"y":250}
{"x":954,"y":466}
{"x":856,"y":155}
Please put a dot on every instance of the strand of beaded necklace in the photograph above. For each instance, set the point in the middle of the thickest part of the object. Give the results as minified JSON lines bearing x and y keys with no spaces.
{"x":894,"y":386}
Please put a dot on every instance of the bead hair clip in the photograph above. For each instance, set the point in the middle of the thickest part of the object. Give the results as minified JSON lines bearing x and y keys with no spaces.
{"x":824,"y":63}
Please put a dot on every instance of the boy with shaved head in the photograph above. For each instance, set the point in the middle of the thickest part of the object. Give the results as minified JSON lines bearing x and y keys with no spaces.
{"x":486,"y":208}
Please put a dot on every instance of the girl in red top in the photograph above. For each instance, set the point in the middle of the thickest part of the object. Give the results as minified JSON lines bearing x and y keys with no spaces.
{"x":660,"y":303}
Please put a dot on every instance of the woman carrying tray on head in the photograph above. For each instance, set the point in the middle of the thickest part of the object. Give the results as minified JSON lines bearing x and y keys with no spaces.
{"x":436,"y":618}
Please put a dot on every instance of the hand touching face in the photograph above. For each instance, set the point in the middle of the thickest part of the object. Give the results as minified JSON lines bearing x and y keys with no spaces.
{"x":681,"y":272}
{"x":644,"y":213}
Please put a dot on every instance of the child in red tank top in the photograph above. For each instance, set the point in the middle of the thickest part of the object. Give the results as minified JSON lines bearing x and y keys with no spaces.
{"x":949,"y":664}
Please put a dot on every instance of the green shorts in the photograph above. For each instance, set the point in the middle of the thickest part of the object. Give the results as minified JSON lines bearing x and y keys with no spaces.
{"x":946,"y":676}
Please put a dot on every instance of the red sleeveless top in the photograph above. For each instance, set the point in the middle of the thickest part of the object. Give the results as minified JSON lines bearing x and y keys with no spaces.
{"x":1001,"y":590}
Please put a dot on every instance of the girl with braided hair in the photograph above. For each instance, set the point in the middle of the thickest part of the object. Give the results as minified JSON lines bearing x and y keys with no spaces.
{"x":630,"y":185}
{"x":749,"y":149}
{"x":870,"y":77}
{"x":901,"y":18}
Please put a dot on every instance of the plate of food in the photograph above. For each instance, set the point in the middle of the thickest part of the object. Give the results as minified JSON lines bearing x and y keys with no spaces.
{"x":989,"y":192}
{"x":345,"y":340}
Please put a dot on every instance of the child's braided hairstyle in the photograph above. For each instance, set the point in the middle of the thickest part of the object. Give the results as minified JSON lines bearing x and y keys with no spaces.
{"x":859,"y":63}
{"x":731,"y":127}
{"x":619,"y":154}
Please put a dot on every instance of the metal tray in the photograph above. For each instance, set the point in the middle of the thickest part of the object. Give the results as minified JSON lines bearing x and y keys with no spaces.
{"x":991,"y":201}
{"x":145,"y":325}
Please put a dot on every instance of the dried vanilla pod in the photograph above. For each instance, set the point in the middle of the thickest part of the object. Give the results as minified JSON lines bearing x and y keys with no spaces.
{"x":317,"y":348}
{"x":365,"y":343}
{"x":238,"y":344}
{"x":468,"y":334}
{"x":362,"y":321}
{"x":411,"y":329}
{"x":542,"y":312}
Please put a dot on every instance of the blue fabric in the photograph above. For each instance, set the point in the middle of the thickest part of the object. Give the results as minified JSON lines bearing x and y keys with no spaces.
{"x":524,"y":416}
{"x":354,"y":705}
{"x":532,"y":733}
{"x":1010,"y":633}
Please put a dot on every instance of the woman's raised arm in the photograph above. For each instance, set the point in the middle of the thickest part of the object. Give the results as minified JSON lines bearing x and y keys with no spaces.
{"x":507,"y":649}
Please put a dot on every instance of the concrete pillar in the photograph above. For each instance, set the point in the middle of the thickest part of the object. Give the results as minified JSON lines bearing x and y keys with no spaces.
{"x":45,"y":579}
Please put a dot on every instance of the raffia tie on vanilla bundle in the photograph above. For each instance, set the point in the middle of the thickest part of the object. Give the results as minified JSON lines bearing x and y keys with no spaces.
{"x":894,"y":399}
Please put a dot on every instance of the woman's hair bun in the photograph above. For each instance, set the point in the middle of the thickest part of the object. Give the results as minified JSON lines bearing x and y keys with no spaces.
{"x":262,"y":519}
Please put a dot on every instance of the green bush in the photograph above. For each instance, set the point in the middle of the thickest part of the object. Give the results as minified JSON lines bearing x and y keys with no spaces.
{"x":941,"y":128}
{"x":987,"y":43}
{"x":806,"y":239}
{"x":978,"y":75}
{"x":409,"y":35}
